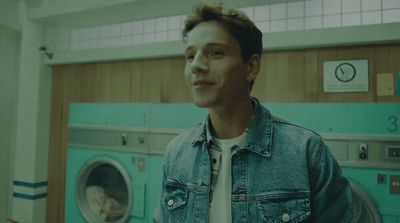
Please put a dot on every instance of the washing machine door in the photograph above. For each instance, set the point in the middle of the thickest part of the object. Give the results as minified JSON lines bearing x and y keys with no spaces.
{"x":364,"y":209}
{"x":104,"y":191}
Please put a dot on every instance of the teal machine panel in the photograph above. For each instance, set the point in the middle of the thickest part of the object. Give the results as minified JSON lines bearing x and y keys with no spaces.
{"x":109,"y":114}
{"x":361,"y":118}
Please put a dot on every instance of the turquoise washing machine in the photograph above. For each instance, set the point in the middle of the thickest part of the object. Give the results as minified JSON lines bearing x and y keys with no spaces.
{"x":107,"y":168}
{"x":114,"y":160}
{"x":106,"y":179}
{"x":114,"y":173}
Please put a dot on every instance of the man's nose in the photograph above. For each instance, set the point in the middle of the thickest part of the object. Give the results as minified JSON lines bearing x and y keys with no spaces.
{"x":199,"y":64}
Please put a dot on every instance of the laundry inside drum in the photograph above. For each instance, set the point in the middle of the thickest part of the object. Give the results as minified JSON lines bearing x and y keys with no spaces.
{"x":107,"y":193}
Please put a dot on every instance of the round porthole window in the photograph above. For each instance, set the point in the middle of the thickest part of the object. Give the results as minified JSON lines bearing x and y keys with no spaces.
{"x":104,"y":191}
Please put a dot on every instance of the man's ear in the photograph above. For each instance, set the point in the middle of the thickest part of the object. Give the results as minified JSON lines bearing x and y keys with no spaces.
{"x":253,"y":67}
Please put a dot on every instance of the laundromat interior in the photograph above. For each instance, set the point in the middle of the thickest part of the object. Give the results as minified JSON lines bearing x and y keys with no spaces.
{"x":92,"y":91}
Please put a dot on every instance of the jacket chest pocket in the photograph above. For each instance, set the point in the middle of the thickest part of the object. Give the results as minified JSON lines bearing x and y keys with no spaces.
{"x":285,"y":210}
{"x":174,"y":200}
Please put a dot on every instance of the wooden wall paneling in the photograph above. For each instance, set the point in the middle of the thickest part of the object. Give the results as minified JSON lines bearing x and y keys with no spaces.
{"x":85,"y":82}
{"x":372,"y":63}
{"x":63,"y":92}
{"x":323,"y":56}
{"x":270,"y":60}
{"x":259,"y":88}
{"x":151,"y":79}
{"x":113,"y":81}
{"x":296,"y":76}
{"x":174,"y":86}
{"x":53,"y":187}
{"x":136,"y":81}
{"x":282,"y":78}
{"x":311,"y":85}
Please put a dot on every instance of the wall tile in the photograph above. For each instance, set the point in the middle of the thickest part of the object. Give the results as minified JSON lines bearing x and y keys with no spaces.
{"x":249,"y":11}
{"x":367,"y":5}
{"x":161,"y":24}
{"x":278,"y":11}
{"x":313,"y":7}
{"x":137,"y":27}
{"x":149,"y":37}
{"x":371,"y":17}
{"x":331,"y":7}
{"x":351,"y":19}
{"x":94,"y":43}
{"x":349,"y":6}
{"x":264,"y":26}
{"x":295,"y":24}
{"x":84,"y":34}
{"x":261,"y":13}
{"x":313,"y":22}
{"x":74,"y":35}
{"x":278,"y":25}
{"x":126,"y":29}
{"x":174,"y":22}
{"x":390,"y":4}
{"x":95,"y":32}
{"x":173,"y":35}
{"x":104,"y":43}
{"x":115,"y":30}
{"x":125,"y":40}
{"x":391,"y":15}
{"x":161,"y":36}
{"x":74,"y":45}
{"x":149,"y":25}
{"x":105,"y":32}
{"x":183,"y":19}
{"x":137,"y":39}
{"x":331,"y":21}
{"x":295,"y":9}
{"x":83,"y":44}
{"x":115,"y":41}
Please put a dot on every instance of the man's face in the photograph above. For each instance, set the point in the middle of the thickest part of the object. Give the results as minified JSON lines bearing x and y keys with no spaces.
{"x":214,"y":69}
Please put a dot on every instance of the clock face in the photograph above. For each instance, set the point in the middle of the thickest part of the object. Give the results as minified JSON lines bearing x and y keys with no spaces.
{"x":345,"y":72}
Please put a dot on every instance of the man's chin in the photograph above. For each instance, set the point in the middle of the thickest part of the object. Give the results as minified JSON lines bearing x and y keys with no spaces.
{"x":202,"y":103}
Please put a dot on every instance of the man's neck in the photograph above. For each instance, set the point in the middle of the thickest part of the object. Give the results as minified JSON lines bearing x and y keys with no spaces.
{"x":231,"y":120}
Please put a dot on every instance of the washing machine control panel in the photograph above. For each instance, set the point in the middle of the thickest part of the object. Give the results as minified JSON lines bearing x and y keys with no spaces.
{"x":369,"y":151}
{"x":393,"y":152}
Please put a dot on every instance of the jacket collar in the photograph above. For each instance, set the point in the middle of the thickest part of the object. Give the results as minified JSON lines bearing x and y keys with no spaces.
{"x":259,"y":132}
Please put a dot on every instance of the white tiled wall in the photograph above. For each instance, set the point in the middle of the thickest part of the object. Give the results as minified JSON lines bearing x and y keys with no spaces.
{"x":281,"y":17}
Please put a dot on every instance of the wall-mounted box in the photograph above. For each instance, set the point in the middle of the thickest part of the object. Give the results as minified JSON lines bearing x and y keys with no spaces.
{"x":384,"y":84}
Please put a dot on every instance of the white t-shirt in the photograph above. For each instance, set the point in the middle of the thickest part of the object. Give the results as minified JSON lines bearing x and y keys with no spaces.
{"x":220,"y":206}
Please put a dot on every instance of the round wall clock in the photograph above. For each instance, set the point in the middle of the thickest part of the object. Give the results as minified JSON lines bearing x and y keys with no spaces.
{"x":345,"y":72}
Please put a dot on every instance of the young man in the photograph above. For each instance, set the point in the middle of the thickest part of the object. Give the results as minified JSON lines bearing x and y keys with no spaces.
{"x":243,"y":164}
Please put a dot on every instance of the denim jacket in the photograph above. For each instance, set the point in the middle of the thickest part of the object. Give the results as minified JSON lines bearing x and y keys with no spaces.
{"x":284,"y":173}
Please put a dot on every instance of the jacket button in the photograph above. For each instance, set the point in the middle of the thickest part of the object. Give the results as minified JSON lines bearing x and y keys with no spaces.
{"x":170,"y":202}
{"x":285,"y":217}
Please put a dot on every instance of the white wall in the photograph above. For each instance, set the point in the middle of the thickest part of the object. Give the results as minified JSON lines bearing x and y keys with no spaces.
{"x":9,"y":63}
{"x":9,"y":14}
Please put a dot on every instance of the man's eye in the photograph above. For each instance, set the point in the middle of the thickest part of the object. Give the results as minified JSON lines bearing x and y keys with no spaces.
{"x":217,"y":53}
{"x":189,"y":57}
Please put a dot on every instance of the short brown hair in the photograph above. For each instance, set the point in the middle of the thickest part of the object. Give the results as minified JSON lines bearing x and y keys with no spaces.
{"x":237,"y":23}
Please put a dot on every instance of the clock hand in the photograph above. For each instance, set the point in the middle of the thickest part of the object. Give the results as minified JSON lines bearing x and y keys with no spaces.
{"x":342,"y":70}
